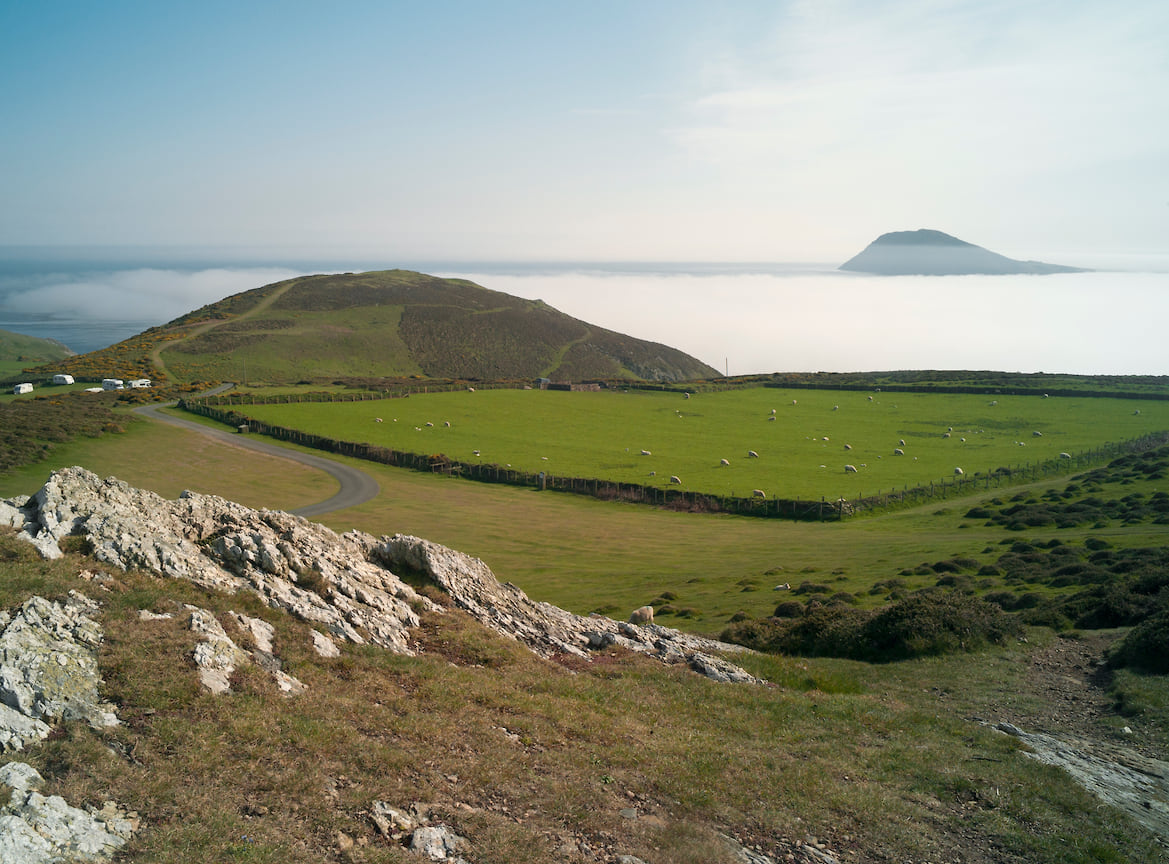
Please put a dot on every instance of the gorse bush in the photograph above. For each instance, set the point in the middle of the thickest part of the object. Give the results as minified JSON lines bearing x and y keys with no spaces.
{"x":927,"y":622}
{"x":1146,"y":647}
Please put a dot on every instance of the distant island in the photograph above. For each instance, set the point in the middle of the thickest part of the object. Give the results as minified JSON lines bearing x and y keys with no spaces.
{"x":932,"y":253}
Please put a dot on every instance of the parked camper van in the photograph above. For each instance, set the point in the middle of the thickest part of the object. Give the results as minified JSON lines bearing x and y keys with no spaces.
{"x":139,"y":383}
{"x":62,"y":379}
{"x":21,"y":389}
{"x":112,"y":384}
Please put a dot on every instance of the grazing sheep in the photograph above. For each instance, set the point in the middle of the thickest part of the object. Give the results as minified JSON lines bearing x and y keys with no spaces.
{"x":770,"y":418}
{"x":897,"y":451}
{"x":644,"y":615}
{"x":752,"y":454}
{"x":849,"y":469}
{"x":543,"y":458}
{"x":476,"y":452}
{"x":758,"y":493}
{"x":961,"y":439}
{"x":959,"y":471}
{"x":646,"y":453}
{"x":793,"y":401}
{"x":786,"y":586}
{"x":902,"y":442}
{"x":377,"y":419}
{"x":825,"y":438}
{"x":446,"y":423}
{"x":994,"y":402}
{"x":1138,"y":411}
{"x":870,"y":398}
{"x":945,"y":434}
{"x":772,"y":410}
{"x":674,"y":479}
{"x":1065,"y":455}
{"x":653,"y":473}
{"x":724,"y":461}
{"x":950,"y":429}
{"x":1036,"y":434}
{"x":835,"y":407}
{"x":470,"y":389}
{"x":428,"y":423}
{"x":686,"y":395}
{"x":847,"y":446}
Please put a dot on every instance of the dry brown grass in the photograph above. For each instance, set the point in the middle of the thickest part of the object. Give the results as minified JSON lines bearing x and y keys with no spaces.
{"x":526,"y":757}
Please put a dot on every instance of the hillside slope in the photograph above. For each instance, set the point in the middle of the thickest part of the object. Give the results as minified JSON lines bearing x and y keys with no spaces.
{"x":30,"y":349}
{"x":398,"y":322}
{"x":933,"y":253}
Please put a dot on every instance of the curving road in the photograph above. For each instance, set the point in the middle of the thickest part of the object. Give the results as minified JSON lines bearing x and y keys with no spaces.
{"x":357,"y":487}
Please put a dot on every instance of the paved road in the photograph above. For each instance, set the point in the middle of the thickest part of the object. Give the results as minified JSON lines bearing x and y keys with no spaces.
{"x":357,"y":487}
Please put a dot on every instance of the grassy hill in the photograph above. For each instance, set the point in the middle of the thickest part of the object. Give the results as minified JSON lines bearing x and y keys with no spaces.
{"x":384,"y":324}
{"x":18,"y":351}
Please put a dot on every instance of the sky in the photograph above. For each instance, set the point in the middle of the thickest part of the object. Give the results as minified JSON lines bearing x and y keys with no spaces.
{"x":612,"y":130}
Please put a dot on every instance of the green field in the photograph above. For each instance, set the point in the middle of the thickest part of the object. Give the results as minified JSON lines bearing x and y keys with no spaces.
{"x":802,"y":452}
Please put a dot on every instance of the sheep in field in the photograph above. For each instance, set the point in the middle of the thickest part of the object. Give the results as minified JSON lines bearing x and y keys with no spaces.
{"x":751,"y":454}
{"x":446,"y":423}
{"x":959,"y":472}
{"x":847,"y":446}
{"x":724,"y":461}
{"x":377,"y":419}
{"x":902,"y":442}
{"x":646,"y":453}
{"x":1065,"y":455}
{"x":773,"y":411}
{"x":476,"y":452}
{"x":1036,"y":434}
{"x":770,"y":418}
{"x":945,"y":434}
{"x":644,"y":615}
{"x":897,"y":451}
{"x":674,"y":479}
{"x":428,"y":423}
{"x":849,"y":469}
{"x":758,"y":493}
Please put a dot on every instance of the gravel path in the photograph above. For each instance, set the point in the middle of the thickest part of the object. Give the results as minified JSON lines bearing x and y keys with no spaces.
{"x":357,"y":487}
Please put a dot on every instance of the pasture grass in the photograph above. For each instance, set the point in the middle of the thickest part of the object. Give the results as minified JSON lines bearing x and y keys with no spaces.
{"x":583,"y":554}
{"x":801,"y":453}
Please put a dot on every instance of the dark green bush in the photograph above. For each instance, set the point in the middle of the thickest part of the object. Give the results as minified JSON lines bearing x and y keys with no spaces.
{"x":789,"y":609}
{"x":935,"y":622}
{"x":1146,"y":647}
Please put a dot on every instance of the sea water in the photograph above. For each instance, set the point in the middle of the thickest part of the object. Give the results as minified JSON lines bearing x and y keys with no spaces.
{"x":739,"y":318}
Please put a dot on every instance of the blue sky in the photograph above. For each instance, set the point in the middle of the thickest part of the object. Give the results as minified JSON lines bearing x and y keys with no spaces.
{"x":636,"y":130}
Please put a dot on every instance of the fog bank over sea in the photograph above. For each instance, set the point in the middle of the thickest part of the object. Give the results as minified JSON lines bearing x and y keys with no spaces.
{"x":740,"y":318}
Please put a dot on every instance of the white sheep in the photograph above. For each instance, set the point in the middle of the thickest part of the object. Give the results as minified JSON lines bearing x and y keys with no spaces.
{"x":758,"y":493}
{"x":470,"y":389}
{"x":994,"y":402}
{"x":902,"y":442}
{"x":959,"y":472}
{"x":773,"y":411}
{"x":793,"y":401}
{"x":897,"y":451}
{"x":724,"y":461}
{"x":870,"y":398}
{"x":835,"y":407}
{"x":770,"y":418}
{"x":446,"y":423}
{"x":1065,"y":455}
{"x":786,"y":586}
{"x":646,"y":453}
{"x":847,"y":446}
{"x":945,"y":434}
{"x":476,"y":452}
{"x":643,"y":615}
{"x":674,"y":479}
{"x":428,"y":423}
{"x":849,"y":469}
{"x":377,"y":419}
{"x":1036,"y":434}
{"x":751,"y":454}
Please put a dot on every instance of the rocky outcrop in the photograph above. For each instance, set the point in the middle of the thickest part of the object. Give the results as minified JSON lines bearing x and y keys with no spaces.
{"x":39,"y":829}
{"x":48,"y":669}
{"x":933,"y":253}
{"x":348,"y":584}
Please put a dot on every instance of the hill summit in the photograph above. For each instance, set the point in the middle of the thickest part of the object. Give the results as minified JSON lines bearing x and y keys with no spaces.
{"x":927,"y":252}
{"x":401,"y":323}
